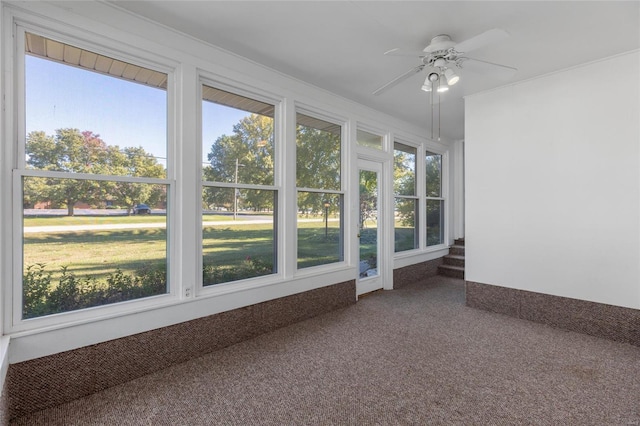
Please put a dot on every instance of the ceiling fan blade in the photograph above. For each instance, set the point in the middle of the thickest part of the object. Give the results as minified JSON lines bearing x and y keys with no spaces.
{"x":400,"y":52}
{"x":478,"y":65}
{"x":488,"y":37}
{"x":399,"y":79}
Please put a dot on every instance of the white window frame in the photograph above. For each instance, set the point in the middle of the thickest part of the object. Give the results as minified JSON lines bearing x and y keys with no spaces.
{"x":444,"y":195}
{"x":419,"y":189}
{"x":344,"y":124}
{"x":377,"y":152}
{"x":252,"y":93}
{"x":13,"y":321}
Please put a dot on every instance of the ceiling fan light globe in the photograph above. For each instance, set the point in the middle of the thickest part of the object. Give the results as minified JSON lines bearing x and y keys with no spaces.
{"x":427,"y":86}
{"x":442,"y":85}
{"x":452,"y":77}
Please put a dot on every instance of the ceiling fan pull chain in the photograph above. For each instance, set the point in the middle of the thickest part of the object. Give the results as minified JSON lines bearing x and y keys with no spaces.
{"x":438,"y":116}
{"x":431,"y":105}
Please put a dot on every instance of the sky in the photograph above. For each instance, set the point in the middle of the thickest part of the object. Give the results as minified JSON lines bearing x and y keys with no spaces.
{"x":123,"y":113}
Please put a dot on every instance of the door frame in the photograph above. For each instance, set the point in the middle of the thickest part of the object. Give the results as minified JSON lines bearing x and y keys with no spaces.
{"x":384,"y":279}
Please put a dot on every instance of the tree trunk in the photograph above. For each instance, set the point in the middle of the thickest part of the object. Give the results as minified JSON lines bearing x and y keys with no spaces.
{"x":70,"y":208}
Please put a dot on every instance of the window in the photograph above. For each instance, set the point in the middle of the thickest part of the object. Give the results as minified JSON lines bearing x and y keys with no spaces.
{"x":406,"y":200}
{"x":239,"y":196}
{"x":95,"y":155}
{"x":319,"y":190}
{"x":369,"y":139}
{"x":434,"y":199}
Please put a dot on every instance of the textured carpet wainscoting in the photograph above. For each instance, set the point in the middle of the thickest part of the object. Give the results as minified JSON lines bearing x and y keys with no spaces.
{"x":56,"y":379}
{"x":413,"y":273}
{"x":413,"y":356}
{"x":596,"y":319}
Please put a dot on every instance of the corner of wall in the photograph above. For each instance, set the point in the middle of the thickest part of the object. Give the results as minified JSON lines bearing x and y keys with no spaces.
{"x":4,"y":367}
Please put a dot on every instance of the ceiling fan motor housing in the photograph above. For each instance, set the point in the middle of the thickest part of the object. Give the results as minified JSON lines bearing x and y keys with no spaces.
{"x":440,"y":42}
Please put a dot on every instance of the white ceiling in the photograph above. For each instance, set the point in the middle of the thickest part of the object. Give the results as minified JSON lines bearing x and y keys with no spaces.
{"x":339,"y":45}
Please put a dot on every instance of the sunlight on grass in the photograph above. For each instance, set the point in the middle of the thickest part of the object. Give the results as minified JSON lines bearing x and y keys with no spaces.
{"x":98,"y":253}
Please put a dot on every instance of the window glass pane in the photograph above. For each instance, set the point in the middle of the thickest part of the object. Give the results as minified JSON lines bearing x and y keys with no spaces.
{"x":369,"y":139}
{"x":368,"y":223}
{"x":237,"y":138}
{"x":318,"y":146}
{"x":83,"y":247}
{"x":88,"y":113}
{"x":406,"y":231}
{"x":433,"y":173}
{"x":242,"y":248}
{"x":404,"y":169}
{"x":435,"y":222}
{"x":320,"y":232}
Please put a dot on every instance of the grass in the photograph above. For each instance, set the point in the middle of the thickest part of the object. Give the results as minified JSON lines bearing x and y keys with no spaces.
{"x":108,"y":220}
{"x":96,"y":253}
{"x":231,"y":251}
{"x":404,"y":238}
{"x":317,"y":244}
{"x":100,"y":252}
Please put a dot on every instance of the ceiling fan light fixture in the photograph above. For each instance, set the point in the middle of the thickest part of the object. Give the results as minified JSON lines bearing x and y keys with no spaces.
{"x":452,"y":77}
{"x":427,"y":86}
{"x":442,"y":85}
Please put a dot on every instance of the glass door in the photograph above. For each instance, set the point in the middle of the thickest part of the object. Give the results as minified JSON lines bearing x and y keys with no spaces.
{"x":369,"y":226}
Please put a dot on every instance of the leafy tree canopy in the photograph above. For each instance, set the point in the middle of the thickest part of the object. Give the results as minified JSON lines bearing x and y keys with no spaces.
{"x":72,"y":151}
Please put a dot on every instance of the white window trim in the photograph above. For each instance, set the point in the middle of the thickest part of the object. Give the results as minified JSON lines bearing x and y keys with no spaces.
{"x":218,"y":82}
{"x":384,"y":134}
{"x":444,"y":194}
{"x":344,"y":123}
{"x":12,"y":305}
{"x":418,"y":191}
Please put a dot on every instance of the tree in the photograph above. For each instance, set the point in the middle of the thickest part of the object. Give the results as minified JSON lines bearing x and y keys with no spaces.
{"x":67,"y":151}
{"x":72,"y":151}
{"x":404,"y":184}
{"x":433,"y":173}
{"x":134,"y":162}
{"x":317,"y":165}
{"x":368,"y":196}
{"x":250,"y":147}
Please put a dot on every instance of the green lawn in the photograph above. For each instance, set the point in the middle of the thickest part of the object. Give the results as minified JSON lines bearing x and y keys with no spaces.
{"x":231,"y":251}
{"x":107,"y":220}
{"x":96,"y":253}
{"x":318,"y":245}
{"x":99,"y":253}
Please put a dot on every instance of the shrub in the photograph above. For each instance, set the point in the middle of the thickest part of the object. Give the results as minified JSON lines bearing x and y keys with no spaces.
{"x":42,"y":296}
{"x":249,"y":268}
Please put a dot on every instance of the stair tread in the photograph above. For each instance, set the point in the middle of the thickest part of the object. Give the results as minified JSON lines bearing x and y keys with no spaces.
{"x":455,"y":256}
{"x":457,"y":268}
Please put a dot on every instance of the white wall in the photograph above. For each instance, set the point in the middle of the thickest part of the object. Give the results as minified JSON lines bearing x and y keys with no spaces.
{"x":553,"y":185}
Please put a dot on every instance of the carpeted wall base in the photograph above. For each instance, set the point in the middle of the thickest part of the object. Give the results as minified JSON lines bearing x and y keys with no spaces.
{"x":45,"y":382}
{"x":4,"y":405}
{"x":595,"y":319}
{"x":412,"y":273}
{"x":52,"y":380}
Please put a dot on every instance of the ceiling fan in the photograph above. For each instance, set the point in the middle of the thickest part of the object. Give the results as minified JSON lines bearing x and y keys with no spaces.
{"x":443,"y":57}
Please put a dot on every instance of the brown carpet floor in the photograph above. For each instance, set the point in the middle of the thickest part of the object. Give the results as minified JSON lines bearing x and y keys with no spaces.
{"x":411,"y":356}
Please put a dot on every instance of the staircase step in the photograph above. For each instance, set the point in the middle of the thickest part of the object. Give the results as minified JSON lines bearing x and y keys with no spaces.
{"x":451,"y":271}
{"x":453,"y":260}
{"x":456,"y":250}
